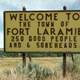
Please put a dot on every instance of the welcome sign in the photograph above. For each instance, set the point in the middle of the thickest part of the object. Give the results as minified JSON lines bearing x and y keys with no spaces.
{"x":42,"y":31}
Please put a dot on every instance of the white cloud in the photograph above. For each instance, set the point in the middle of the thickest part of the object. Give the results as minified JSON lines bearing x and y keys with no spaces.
{"x":48,"y":4}
{"x":1,"y":16}
{"x":34,"y":4}
{"x":75,"y":5}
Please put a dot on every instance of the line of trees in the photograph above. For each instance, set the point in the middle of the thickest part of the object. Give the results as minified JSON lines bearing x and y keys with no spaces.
{"x":34,"y":54}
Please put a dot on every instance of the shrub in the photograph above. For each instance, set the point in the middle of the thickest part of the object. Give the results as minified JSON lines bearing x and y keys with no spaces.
{"x":35,"y":71}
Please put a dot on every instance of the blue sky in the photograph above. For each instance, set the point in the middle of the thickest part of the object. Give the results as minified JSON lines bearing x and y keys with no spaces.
{"x":33,"y":5}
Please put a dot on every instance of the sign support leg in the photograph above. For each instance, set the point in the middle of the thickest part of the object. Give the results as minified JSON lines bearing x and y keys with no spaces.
{"x":64,"y":65}
{"x":24,"y":59}
{"x":64,"y":57}
{"x":23,"y":54}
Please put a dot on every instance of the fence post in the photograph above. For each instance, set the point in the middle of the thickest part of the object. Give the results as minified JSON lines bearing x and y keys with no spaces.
{"x":64,"y":57}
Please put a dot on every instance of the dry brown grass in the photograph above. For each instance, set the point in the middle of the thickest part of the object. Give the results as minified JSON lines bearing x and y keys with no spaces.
{"x":51,"y":63}
{"x":7,"y":63}
{"x":23,"y":77}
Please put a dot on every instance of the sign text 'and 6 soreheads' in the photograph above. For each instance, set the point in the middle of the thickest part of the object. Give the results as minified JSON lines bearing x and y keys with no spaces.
{"x":54,"y":31}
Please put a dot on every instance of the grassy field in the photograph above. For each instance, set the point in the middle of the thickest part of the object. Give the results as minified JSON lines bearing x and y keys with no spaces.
{"x":13,"y":62}
{"x":8,"y":65}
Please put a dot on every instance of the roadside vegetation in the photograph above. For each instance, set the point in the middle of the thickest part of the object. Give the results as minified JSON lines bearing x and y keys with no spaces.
{"x":46,"y":68}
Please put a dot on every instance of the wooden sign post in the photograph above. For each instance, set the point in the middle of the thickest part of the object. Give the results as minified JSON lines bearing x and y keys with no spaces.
{"x":64,"y":57}
{"x":64,"y":65}
{"x":23,"y":54}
